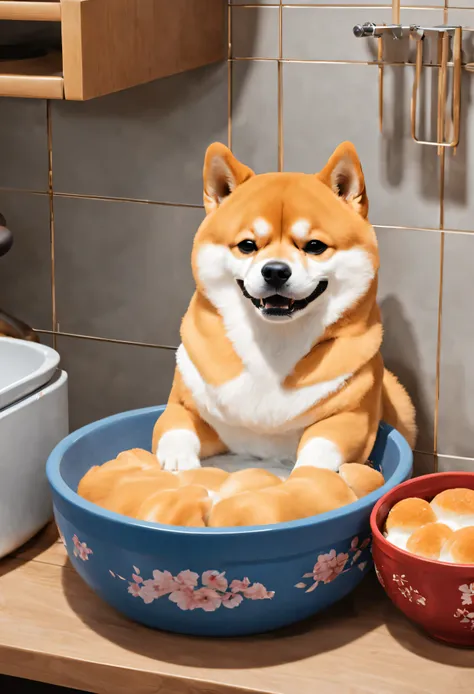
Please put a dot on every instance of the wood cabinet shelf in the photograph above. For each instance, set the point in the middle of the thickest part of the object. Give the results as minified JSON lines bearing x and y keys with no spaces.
{"x":110,"y":45}
{"x":39,"y":78}
{"x":27,"y":10}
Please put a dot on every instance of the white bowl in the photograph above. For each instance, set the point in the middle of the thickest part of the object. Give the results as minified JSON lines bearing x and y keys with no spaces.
{"x":24,"y":367}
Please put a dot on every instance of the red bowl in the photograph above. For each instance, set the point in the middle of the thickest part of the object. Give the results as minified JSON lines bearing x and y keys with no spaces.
{"x":436,"y":595}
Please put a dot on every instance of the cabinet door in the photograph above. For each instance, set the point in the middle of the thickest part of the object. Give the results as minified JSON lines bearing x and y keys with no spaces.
{"x":109,"y":45}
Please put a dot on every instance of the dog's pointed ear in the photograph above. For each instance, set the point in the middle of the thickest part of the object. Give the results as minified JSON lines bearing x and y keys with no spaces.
{"x":222,"y":174}
{"x":343,"y":174}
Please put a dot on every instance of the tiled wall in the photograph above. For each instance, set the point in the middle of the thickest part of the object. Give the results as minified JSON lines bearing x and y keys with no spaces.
{"x":124,"y":200}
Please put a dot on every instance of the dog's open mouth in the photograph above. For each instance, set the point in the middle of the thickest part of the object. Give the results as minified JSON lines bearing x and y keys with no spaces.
{"x":277,"y":305}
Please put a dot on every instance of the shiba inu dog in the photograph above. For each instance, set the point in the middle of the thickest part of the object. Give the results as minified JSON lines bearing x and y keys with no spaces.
{"x":280,"y":352}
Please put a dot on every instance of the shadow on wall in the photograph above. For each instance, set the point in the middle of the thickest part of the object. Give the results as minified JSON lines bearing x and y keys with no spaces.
{"x":400,"y":352}
{"x":457,"y":173}
{"x":397,"y":137}
{"x":458,"y":428}
{"x":397,"y":118}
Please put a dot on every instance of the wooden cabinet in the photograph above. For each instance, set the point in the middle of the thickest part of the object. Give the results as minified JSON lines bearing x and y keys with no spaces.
{"x":109,"y":45}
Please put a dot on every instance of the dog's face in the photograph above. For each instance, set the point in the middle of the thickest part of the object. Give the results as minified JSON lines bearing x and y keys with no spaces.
{"x":287,"y":244}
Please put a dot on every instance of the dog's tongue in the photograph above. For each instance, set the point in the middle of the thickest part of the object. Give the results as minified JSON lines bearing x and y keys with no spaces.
{"x":276,"y":302}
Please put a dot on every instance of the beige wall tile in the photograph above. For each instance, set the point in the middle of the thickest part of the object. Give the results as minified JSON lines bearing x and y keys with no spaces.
{"x":456,"y":407}
{"x":106,"y":378}
{"x":408,"y":297}
{"x":255,"y":32}
{"x":255,"y":114}
{"x":25,"y":272}
{"x":146,"y":143}
{"x":23,"y":144}
{"x":448,"y":463}
{"x":326,"y":104}
{"x":123,"y":270}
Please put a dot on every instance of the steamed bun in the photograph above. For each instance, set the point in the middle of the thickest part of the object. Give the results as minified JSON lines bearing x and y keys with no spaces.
{"x":405,"y":517}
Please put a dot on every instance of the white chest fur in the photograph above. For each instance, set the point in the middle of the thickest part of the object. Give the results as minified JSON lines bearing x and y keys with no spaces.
{"x":253,"y":413}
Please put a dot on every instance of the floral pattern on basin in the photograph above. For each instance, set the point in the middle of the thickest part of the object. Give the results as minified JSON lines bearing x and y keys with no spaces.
{"x":331,"y":565}
{"x":190,"y":591}
{"x":81,"y":550}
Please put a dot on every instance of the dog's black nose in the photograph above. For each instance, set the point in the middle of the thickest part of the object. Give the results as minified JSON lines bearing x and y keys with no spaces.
{"x":276,"y":274}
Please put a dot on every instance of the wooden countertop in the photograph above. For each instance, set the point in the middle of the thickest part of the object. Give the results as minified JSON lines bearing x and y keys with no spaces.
{"x":54,"y":629}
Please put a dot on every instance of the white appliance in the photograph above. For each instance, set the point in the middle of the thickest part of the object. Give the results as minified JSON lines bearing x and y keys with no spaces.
{"x":33,"y":419}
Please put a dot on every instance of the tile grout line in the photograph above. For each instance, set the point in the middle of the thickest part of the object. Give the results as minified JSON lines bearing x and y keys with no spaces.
{"x":442,"y":174}
{"x":229,"y":74}
{"x":325,"y":61}
{"x":111,"y":340}
{"x":139,"y":201}
{"x":280,"y":87}
{"x":103,"y":198}
{"x":344,"y":6}
{"x":456,"y":457}
{"x":7,"y":189}
{"x":51,"y":220}
{"x":80,"y":196}
{"x":438,"y":352}
{"x":421,"y":452}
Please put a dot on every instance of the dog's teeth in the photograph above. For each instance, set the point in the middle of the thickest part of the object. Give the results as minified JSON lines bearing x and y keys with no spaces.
{"x":290,"y":305}
{"x":262,"y":303}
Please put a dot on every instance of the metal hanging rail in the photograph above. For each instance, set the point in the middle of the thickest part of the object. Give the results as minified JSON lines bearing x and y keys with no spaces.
{"x":449,"y":39}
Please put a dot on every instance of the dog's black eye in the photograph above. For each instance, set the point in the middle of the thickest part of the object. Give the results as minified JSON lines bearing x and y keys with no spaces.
{"x":247,"y":246}
{"x":315,"y":247}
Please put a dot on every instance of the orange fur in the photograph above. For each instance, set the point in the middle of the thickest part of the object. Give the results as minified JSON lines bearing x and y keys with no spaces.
{"x":335,"y":205}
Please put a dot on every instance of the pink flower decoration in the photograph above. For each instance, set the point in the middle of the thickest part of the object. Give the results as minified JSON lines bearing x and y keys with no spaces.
{"x":184,"y":598}
{"x":257,"y":591}
{"x":188,"y":599}
{"x":215,"y":580}
{"x":207,"y":599}
{"x":189,"y":579}
{"x":239,"y":586}
{"x":81,"y":549}
{"x":146,"y":592}
{"x":329,"y":566}
{"x":184,"y":589}
{"x":161,"y":584}
{"x":231,"y":600}
{"x":164,"y":581}
{"x":136,"y":590}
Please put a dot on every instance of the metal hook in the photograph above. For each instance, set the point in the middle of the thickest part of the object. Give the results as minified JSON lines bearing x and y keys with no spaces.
{"x":369,"y":29}
{"x":444,"y":34}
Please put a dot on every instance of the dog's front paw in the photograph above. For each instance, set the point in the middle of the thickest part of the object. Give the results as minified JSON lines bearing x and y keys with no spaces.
{"x":320,"y":452}
{"x":178,"y":450}
{"x":179,"y":463}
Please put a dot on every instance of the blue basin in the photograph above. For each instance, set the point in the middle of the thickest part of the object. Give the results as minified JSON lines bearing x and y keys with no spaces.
{"x":213,"y":582}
